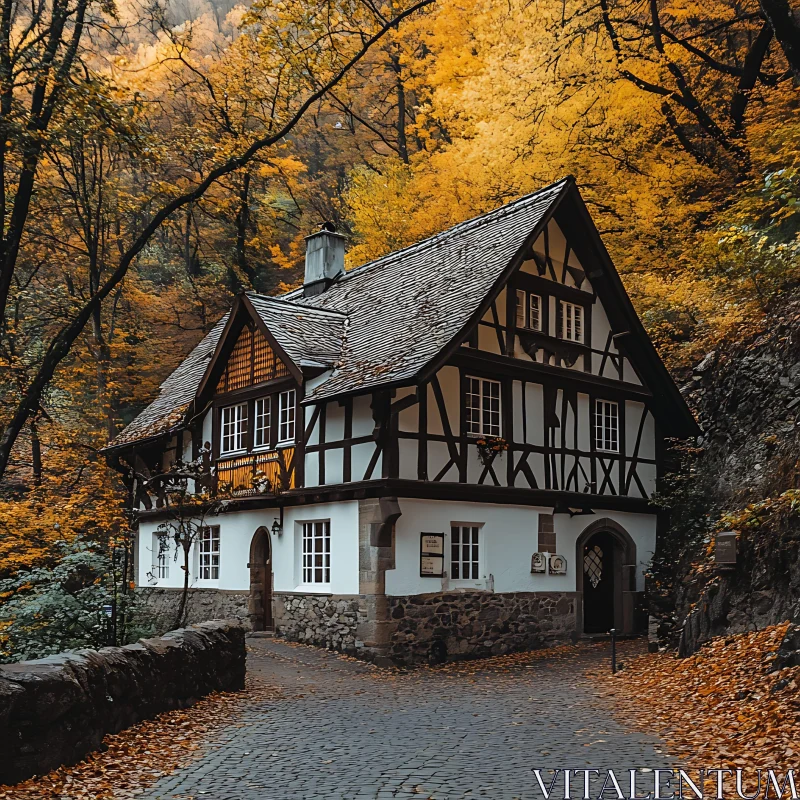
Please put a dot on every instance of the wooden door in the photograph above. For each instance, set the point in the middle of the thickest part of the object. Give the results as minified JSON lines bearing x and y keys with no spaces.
{"x":260,"y":602}
{"x":599,"y":583}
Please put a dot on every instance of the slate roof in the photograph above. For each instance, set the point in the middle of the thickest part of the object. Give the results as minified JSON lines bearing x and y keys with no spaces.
{"x":309,"y":336}
{"x":406,"y":307}
{"x":384,"y":322}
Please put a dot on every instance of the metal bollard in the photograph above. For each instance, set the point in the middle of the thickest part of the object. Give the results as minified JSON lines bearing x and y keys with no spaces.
{"x":613,"y":633}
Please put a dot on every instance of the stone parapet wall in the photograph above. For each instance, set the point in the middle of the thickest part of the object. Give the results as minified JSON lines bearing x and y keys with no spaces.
{"x":471,"y":624}
{"x":202,"y":604}
{"x":330,"y":621}
{"x":55,"y":710}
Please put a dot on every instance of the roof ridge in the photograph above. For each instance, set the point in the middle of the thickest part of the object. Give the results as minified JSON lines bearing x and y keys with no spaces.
{"x":459,"y":227}
{"x":300,"y":306}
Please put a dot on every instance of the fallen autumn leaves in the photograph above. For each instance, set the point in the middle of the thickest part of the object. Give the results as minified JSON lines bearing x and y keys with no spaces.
{"x":717,"y":708}
{"x":136,"y":757}
{"x":720,"y":707}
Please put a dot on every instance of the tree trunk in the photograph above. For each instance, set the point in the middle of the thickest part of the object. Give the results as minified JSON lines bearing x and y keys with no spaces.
{"x":785,"y":24}
{"x":242,"y":224}
{"x":402,"y":138}
{"x":181,"y":614}
{"x":36,"y":454}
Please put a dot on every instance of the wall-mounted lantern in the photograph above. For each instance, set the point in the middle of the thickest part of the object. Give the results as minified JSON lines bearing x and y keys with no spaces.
{"x":277,"y":528}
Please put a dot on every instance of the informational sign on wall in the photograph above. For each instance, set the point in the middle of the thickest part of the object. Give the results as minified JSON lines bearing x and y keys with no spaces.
{"x":431,"y":555}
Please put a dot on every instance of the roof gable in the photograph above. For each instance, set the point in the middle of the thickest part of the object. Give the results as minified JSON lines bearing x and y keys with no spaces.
{"x":405,"y":308}
{"x":395,"y":320}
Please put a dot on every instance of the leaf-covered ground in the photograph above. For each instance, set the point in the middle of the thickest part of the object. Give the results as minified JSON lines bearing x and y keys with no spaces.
{"x":136,"y":757}
{"x":719,"y":707}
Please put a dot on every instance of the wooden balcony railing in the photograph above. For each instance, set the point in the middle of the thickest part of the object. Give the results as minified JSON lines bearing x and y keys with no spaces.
{"x":268,"y":472}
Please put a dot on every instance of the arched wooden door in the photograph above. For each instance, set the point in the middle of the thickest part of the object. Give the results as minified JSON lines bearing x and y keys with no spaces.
{"x":260,"y":604}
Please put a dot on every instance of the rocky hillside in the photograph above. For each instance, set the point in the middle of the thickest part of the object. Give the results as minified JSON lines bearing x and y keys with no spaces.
{"x":745,"y":476}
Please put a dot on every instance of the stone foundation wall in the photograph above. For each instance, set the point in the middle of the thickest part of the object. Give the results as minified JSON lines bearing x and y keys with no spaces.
{"x":202,"y":605}
{"x":330,"y":621}
{"x":471,"y":624}
{"x":55,"y":710}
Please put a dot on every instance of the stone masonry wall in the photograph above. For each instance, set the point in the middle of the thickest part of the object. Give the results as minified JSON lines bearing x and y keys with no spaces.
{"x":471,"y":624}
{"x":202,"y":605}
{"x":330,"y":621}
{"x":55,"y":710}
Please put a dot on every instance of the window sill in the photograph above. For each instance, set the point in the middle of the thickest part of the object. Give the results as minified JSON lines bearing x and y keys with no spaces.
{"x":607,"y":452}
{"x":233,"y":454}
{"x":313,"y":588}
{"x":284,"y":445}
{"x":459,"y":585}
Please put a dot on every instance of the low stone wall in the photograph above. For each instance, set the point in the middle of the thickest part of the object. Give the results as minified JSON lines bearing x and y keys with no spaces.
{"x":202,"y":604}
{"x":330,"y":621}
{"x":55,"y":710}
{"x":470,"y":624}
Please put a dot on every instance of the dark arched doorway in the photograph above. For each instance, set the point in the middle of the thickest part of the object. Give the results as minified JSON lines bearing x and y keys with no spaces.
{"x":260,"y":604}
{"x":606,"y":561}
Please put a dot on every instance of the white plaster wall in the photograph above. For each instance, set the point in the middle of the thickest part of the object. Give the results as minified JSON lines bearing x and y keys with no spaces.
{"x":633,"y":416}
{"x":361,"y":454}
{"x":208,"y":426}
{"x":334,"y":421}
{"x":407,"y":450}
{"x":334,"y":466}
{"x":236,"y":534}
{"x":344,"y":548}
{"x":363,"y":423}
{"x":487,"y":340}
{"x":509,"y":536}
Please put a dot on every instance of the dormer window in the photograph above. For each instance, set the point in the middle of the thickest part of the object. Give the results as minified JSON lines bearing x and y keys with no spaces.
{"x":571,"y":321}
{"x":234,"y":429}
{"x":529,"y":310}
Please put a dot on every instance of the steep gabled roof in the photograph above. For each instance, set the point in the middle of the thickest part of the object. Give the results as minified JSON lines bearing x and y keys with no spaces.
{"x":395,"y":319}
{"x":406,"y":307}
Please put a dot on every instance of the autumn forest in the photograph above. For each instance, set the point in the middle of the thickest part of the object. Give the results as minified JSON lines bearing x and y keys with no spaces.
{"x":158,"y":157}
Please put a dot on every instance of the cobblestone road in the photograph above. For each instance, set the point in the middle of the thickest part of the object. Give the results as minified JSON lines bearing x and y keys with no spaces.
{"x":347,"y":730}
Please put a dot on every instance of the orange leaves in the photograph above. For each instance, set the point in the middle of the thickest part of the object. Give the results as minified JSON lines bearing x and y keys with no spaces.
{"x":720,"y":706}
{"x":138,"y":756}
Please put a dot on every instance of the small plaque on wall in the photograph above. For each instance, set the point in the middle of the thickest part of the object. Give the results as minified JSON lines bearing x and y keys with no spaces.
{"x":538,"y":563}
{"x":431,"y":555}
{"x":558,"y":565}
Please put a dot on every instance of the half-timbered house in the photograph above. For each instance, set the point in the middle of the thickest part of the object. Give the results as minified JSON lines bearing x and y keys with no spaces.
{"x":448,"y":451}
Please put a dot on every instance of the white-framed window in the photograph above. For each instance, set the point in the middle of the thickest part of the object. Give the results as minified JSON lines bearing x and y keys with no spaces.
{"x":529,"y":310}
{"x":208,"y":553}
{"x":286,"y":416}
{"x":534,"y":312}
{"x":465,"y":552}
{"x":521,"y":305}
{"x":316,"y":550}
{"x":234,"y":428}
{"x":160,"y":558}
{"x":571,"y":321}
{"x":606,"y":426}
{"x":263,"y":415}
{"x":483,"y":407}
